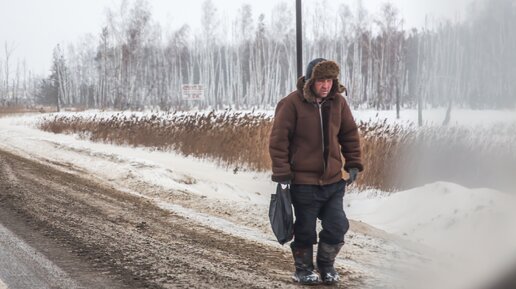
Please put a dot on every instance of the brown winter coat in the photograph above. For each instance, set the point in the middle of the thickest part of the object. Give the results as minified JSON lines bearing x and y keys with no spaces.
{"x":296,"y":145}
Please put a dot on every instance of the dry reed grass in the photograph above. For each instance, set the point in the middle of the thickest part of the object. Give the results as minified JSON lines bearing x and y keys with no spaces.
{"x":382,"y":145}
{"x":238,"y":140}
{"x":395,"y":156}
{"x":402,"y":157}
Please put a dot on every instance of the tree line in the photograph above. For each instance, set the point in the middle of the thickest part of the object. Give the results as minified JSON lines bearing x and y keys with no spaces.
{"x":250,"y":62}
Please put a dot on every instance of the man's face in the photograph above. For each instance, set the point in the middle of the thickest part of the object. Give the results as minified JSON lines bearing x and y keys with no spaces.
{"x":322,"y":87}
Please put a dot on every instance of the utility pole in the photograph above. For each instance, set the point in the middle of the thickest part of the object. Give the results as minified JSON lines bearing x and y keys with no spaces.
{"x":299,"y":39}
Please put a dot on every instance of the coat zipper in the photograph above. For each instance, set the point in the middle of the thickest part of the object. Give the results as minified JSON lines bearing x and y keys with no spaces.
{"x":322,"y":135}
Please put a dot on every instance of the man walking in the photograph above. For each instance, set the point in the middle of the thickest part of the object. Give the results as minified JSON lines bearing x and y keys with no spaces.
{"x":312,"y":127}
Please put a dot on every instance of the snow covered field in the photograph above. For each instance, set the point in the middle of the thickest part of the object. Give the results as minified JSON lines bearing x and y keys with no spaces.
{"x":435,"y":117}
{"x":468,"y":229}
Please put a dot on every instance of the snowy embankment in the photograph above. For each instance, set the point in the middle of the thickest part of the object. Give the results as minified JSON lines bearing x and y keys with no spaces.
{"x":439,"y":222}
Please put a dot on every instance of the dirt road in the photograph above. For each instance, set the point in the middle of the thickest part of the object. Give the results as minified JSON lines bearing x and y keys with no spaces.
{"x":104,"y":238}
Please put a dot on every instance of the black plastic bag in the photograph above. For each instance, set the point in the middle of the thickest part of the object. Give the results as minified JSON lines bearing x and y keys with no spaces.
{"x":280,"y":214}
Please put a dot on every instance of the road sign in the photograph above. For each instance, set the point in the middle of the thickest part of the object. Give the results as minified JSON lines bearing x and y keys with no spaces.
{"x":192,"y":91}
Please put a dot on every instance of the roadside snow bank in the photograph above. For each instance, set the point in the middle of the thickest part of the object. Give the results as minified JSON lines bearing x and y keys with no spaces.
{"x":474,"y":229}
{"x":445,"y":208}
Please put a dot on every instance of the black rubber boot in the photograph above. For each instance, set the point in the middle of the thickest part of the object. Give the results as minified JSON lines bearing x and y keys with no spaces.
{"x":303,"y":260}
{"x":326,"y":255}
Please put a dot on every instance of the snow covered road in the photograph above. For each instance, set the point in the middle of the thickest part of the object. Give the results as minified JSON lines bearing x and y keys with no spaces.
{"x":390,"y":234}
{"x":236,"y":204}
{"x":104,"y":238}
{"x":21,"y":266}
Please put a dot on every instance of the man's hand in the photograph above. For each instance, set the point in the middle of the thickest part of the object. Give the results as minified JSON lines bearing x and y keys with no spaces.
{"x":284,"y":184}
{"x":353,"y":174}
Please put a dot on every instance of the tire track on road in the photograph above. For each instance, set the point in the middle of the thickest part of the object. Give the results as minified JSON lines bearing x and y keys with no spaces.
{"x":131,"y":241}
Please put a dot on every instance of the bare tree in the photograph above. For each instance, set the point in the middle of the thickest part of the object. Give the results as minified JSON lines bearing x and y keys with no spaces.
{"x":8,"y":49}
{"x":383,"y":66}
{"x":59,"y":77}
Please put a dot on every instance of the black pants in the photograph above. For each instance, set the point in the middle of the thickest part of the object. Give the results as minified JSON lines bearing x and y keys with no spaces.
{"x":323,"y":202}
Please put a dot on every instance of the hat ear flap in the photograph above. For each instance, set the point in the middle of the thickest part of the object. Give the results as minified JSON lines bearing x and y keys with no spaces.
{"x":340,"y":87}
{"x":307,"y":91}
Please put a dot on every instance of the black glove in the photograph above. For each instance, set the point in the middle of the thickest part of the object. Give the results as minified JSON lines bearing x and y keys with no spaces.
{"x":285,"y":184}
{"x":353,"y":174}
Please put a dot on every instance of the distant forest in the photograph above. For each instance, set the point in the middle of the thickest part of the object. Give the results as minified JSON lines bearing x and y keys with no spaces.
{"x":250,"y":61}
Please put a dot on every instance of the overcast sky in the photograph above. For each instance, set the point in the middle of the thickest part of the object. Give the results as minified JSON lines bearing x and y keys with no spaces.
{"x":34,"y":27}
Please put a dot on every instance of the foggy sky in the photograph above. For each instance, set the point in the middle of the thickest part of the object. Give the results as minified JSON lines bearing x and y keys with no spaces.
{"x":34,"y":27}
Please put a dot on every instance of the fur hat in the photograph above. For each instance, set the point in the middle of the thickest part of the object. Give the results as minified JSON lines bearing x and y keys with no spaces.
{"x":320,"y":68}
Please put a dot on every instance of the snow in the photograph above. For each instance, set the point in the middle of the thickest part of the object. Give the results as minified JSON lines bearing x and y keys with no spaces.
{"x":444,"y":216}
{"x":475,"y":225}
{"x":437,"y":207}
{"x":436,"y":116}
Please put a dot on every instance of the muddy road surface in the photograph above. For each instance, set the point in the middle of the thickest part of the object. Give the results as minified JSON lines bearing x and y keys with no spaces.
{"x":99,"y":237}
